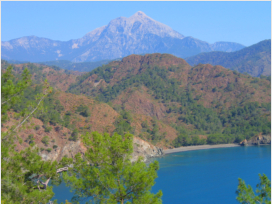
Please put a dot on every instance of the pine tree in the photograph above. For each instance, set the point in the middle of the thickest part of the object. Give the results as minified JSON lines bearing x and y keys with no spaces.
{"x":106,"y":174}
{"x":247,"y":195}
{"x":24,"y":176}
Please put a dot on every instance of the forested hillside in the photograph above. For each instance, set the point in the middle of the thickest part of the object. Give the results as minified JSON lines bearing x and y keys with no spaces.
{"x":204,"y":103}
{"x":63,"y":117}
{"x":254,"y":60}
{"x":160,"y":98}
{"x":40,"y":139}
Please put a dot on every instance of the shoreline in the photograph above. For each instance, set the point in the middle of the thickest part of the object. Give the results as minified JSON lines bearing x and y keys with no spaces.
{"x":198,"y":147}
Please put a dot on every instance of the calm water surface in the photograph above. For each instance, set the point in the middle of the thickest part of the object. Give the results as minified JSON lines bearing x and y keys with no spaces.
{"x":204,"y":176}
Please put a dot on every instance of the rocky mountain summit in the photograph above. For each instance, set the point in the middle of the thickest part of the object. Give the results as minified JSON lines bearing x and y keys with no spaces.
{"x":123,"y":36}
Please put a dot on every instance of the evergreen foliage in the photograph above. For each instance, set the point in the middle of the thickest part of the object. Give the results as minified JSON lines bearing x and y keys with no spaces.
{"x":84,"y":111}
{"x":112,"y":177}
{"x":74,"y":135}
{"x":11,"y":90}
{"x":151,"y":133}
{"x":245,"y":194}
{"x":123,"y":123}
{"x":24,"y":175}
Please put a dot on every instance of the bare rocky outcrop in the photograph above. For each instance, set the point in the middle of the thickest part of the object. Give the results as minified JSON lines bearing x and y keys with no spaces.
{"x":141,"y":148}
{"x":260,"y":139}
{"x":243,"y":143}
{"x":70,"y":150}
{"x":257,"y":140}
{"x":145,"y":150}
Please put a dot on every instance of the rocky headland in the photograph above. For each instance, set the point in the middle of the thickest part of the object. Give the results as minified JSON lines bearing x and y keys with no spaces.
{"x":257,"y":140}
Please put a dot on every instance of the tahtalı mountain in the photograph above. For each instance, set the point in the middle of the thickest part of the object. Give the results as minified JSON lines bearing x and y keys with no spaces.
{"x":138,"y":34}
{"x":254,"y":60}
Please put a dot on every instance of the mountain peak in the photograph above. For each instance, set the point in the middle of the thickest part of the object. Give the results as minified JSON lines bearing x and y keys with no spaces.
{"x":140,"y":14}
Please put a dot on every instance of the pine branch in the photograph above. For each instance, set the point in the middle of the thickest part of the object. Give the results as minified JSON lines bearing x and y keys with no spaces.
{"x":20,"y":124}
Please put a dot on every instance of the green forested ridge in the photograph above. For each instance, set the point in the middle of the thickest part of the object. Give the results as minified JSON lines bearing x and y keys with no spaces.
{"x":221,"y":123}
{"x":254,"y":60}
{"x":223,"y":120}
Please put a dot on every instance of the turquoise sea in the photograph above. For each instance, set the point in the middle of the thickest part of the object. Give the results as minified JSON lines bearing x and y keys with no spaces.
{"x":204,"y":176}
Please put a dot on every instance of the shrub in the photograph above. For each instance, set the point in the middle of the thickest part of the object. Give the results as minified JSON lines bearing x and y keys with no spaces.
{"x":48,"y":149}
{"x":214,"y":89}
{"x":84,"y":111}
{"x":74,"y":135}
{"x":37,"y":127}
{"x":256,"y":80}
{"x":45,"y":140}
{"x":144,"y":124}
{"x":30,"y":138}
{"x":55,"y":146}
{"x":230,"y":87}
{"x":47,"y":128}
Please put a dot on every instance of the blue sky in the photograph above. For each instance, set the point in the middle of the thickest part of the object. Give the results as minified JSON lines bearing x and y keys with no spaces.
{"x":242,"y":22}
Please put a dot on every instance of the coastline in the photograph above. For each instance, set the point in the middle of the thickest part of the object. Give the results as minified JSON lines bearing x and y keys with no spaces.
{"x":198,"y":147}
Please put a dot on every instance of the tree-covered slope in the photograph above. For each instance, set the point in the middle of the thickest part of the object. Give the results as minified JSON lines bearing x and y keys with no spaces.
{"x":254,"y":60}
{"x":204,"y":101}
{"x":64,"y":116}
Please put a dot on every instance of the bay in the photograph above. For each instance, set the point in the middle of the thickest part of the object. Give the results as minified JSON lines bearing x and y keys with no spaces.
{"x":203,"y":176}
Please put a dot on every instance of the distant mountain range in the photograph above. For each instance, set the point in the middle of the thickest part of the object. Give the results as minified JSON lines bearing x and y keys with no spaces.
{"x":254,"y":60}
{"x":138,"y":34}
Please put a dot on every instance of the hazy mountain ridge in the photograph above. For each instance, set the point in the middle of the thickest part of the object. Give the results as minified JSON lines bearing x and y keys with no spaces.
{"x":137,"y":34}
{"x":254,"y":60}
